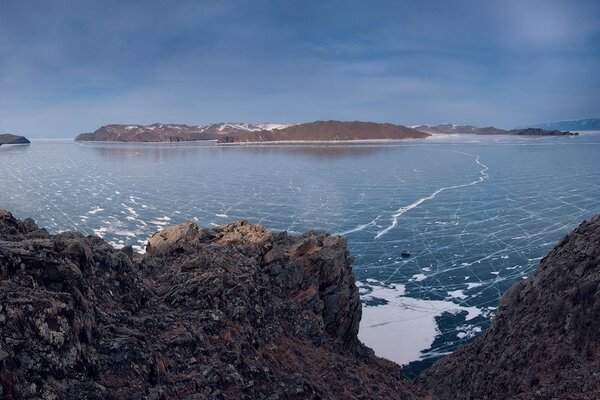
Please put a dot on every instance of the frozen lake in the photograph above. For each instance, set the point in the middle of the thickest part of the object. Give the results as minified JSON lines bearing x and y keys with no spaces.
{"x":475,"y":213}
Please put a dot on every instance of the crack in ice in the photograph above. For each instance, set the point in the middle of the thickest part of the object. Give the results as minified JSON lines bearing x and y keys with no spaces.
{"x":483,"y":176}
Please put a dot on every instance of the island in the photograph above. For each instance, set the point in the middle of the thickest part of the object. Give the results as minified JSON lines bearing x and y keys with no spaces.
{"x":239,"y":312}
{"x":320,"y":131}
{"x":170,"y":132}
{"x":489,"y":130}
{"x":7,"y":138}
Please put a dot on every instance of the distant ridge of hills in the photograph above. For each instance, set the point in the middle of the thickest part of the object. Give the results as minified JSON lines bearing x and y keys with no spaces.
{"x":587,"y":124}
{"x":451,"y":129}
{"x":489,"y":130}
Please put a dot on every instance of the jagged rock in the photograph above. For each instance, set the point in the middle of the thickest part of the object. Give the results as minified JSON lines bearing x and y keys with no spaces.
{"x":234,"y":312}
{"x":544,"y":342}
{"x":173,"y":239}
{"x":238,"y":312}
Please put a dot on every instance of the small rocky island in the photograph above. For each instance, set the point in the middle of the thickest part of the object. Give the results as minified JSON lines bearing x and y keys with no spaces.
{"x":490,"y":130}
{"x":238,"y":312}
{"x":328,"y":131}
{"x":7,"y":138}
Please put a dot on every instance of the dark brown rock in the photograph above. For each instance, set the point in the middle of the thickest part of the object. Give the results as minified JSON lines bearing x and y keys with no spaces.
{"x":544,"y":343}
{"x":202,"y":315}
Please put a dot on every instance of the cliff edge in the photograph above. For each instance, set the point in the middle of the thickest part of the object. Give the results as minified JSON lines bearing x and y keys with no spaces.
{"x":544,"y":343}
{"x":234,"y":312}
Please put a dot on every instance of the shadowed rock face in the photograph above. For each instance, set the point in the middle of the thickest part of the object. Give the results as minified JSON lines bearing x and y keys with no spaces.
{"x":13,"y":139}
{"x":545,"y":341}
{"x":234,"y":312}
{"x":237,"y":312}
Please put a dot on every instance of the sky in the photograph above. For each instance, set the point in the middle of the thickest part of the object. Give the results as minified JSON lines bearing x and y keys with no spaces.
{"x":68,"y":67}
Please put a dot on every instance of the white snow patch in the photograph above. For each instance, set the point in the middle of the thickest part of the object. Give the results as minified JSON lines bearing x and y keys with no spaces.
{"x":401,"y":329}
{"x":457,"y":294}
{"x":95,"y":210}
{"x":472,"y":285}
{"x":418,"y":278}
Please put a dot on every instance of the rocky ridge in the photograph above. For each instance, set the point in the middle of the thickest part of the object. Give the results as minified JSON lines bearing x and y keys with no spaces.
{"x":544,"y":342}
{"x":7,"y":138}
{"x":233,"y":312}
{"x":328,"y":131}
{"x":170,"y":132}
{"x":237,"y":312}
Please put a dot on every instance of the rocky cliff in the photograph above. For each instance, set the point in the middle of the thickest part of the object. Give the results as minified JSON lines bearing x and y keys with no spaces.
{"x":328,"y":131}
{"x":171,"y":132}
{"x":544,"y":343}
{"x":237,"y":312}
{"x":13,"y":139}
{"x":233,"y":312}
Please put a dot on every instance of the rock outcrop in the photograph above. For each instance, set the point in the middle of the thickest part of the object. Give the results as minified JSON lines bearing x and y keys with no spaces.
{"x":544,"y":343}
{"x":171,"y":132}
{"x":233,"y":312}
{"x":237,"y":312}
{"x":7,"y":138}
{"x":328,"y":131}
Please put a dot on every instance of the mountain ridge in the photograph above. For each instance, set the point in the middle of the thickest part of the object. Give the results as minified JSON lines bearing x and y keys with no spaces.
{"x":170,"y":132}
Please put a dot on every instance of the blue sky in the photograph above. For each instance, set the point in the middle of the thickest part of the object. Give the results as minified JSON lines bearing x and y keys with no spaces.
{"x":71,"y":66}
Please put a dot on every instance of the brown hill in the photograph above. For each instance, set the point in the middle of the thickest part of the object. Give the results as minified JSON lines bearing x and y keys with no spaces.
{"x":329,"y":131}
{"x":544,"y":342}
